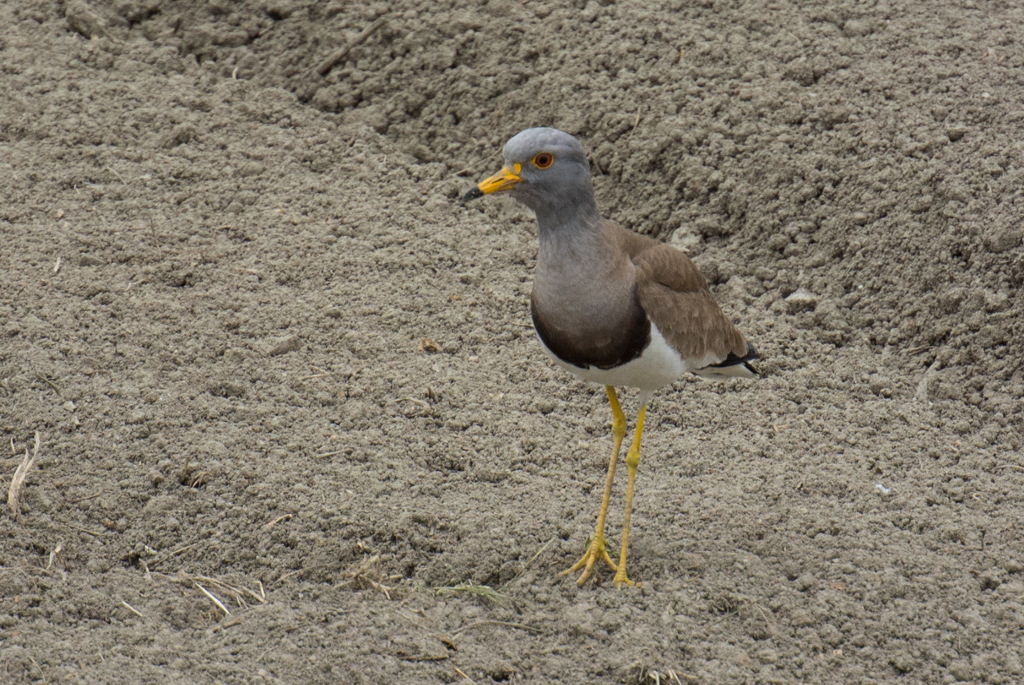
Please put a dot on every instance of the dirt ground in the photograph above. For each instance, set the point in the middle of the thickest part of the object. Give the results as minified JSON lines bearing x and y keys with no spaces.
{"x":295,"y":426}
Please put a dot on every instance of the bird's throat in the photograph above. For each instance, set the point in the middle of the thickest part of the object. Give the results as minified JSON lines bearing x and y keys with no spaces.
{"x":571,"y":220}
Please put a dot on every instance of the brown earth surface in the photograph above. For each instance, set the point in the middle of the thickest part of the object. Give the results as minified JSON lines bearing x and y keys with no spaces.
{"x":295,"y":425}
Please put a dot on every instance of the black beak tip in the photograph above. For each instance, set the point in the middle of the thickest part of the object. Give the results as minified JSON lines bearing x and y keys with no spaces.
{"x":473,"y":194}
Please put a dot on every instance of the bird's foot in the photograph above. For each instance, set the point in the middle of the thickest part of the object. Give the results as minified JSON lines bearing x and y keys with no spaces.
{"x":596,"y":551}
{"x":621,"y":579}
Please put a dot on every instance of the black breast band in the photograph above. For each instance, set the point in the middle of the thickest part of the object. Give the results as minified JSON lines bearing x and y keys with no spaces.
{"x":626,"y":343}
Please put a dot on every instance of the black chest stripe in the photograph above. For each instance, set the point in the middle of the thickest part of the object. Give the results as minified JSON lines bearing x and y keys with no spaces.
{"x":626,"y":343}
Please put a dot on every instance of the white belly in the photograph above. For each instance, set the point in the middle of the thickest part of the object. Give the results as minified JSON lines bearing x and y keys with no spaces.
{"x":658,"y":365}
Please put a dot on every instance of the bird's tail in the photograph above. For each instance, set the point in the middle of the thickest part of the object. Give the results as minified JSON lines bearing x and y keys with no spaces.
{"x":732,"y":367}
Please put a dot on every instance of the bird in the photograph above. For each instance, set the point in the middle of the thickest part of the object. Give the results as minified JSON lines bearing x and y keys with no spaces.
{"x":610,"y":305}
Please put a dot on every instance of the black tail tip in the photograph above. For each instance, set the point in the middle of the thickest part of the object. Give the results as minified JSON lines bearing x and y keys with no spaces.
{"x":733,"y":361}
{"x":751,"y":355}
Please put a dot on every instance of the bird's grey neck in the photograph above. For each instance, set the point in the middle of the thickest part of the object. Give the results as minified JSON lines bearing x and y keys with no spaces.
{"x":568,"y":220}
{"x":567,"y":242}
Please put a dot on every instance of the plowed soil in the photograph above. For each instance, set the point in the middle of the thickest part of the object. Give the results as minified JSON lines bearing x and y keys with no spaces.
{"x":294,"y":424}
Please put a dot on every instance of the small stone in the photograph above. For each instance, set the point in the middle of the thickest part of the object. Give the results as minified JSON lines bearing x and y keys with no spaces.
{"x":961,"y":670}
{"x":180,"y":279}
{"x":806,"y":583}
{"x":684,"y":239}
{"x":801,"y":301}
{"x":711,"y":271}
{"x":996,"y":302}
{"x":467,"y":21}
{"x":991,"y":336}
{"x":858,"y":28}
{"x":420,"y":152}
{"x":97,"y":565}
{"x":778,"y":242}
{"x":1002,"y":240}
{"x":801,"y":618}
{"x":544,"y":406}
{"x":880,"y":385}
{"x":234,"y":38}
{"x":284,"y":345}
{"x":234,"y":355}
{"x":903,"y":662}
{"x":136,"y":11}
{"x":179,"y":135}
{"x":226,"y":389}
{"x":543,"y":11}
{"x":85,"y":20}
{"x":69,"y":406}
{"x":214,"y":448}
{"x":280,"y":9}
{"x":951,"y":300}
{"x":922,"y":204}
{"x":956,"y":132}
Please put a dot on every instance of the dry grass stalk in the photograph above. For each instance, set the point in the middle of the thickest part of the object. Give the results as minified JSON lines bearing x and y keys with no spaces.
{"x":191,"y":478}
{"x":341,"y":54}
{"x":85,"y":530}
{"x":286,"y":517}
{"x":49,"y":383}
{"x":485,"y":591}
{"x":673,"y":677}
{"x":18,"y":482}
{"x":367,"y":575}
{"x":508,"y":624}
{"x":239,"y":593}
{"x":132,"y":609}
{"x":213,"y":598}
{"x":161,"y":557}
{"x":55,"y":554}
{"x":470,"y":680}
{"x":236,"y":592}
{"x":320,"y":373}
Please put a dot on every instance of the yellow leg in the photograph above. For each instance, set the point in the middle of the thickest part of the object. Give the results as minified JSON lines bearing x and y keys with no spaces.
{"x":598,"y":549}
{"x":632,"y":462}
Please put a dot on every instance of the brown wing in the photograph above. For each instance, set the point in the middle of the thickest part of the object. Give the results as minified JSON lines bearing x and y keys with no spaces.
{"x":675,"y":296}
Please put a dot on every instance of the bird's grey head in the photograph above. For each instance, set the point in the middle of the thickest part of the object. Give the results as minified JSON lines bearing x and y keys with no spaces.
{"x":547,"y":170}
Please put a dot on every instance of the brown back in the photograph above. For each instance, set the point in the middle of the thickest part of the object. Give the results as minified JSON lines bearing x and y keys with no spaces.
{"x":676,"y":297}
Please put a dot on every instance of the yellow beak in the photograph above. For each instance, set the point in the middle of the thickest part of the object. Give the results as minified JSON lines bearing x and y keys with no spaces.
{"x":506,"y":179}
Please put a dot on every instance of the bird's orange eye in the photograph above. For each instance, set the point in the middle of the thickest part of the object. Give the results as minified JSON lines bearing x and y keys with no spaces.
{"x":544,"y":160}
